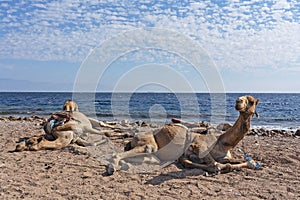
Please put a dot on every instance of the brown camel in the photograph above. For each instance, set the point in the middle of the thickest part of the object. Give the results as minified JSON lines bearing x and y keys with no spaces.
{"x":204,"y":151}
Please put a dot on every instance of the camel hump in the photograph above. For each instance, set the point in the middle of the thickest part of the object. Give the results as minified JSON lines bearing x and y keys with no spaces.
{"x":170,"y":133}
{"x":171,"y":142}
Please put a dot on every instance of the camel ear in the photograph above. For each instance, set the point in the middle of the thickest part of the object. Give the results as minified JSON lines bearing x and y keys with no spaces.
{"x":256,"y":114}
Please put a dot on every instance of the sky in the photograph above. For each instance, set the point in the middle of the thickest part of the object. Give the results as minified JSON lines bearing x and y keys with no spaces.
{"x":127,"y":45}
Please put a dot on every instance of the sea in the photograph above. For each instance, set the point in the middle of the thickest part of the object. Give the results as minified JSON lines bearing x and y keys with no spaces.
{"x":276,"y":110}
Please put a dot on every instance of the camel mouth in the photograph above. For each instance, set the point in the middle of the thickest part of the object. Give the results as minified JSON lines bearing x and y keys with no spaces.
{"x":240,"y":107}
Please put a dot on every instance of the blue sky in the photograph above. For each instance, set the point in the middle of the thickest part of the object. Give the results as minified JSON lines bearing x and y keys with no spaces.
{"x":254,"y":44}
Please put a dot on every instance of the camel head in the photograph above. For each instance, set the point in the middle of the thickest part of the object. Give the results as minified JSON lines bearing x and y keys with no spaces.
{"x":247,"y":104}
{"x":70,"y":105}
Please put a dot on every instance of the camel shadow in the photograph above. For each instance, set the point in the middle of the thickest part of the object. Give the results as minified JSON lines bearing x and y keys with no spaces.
{"x":185,"y":172}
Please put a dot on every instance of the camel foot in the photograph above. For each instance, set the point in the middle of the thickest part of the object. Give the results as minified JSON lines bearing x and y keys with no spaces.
{"x":29,"y":144}
{"x":21,"y":147}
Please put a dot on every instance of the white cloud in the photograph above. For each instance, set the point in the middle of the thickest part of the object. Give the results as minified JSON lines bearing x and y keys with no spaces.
{"x":198,"y":5}
{"x":281,"y":4}
{"x":237,"y":34}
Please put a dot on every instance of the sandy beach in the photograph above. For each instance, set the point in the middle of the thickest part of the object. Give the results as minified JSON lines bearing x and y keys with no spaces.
{"x":72,"y":173}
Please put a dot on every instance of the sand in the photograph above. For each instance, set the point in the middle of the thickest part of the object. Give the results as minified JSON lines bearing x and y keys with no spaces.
{"x":72,"y":173}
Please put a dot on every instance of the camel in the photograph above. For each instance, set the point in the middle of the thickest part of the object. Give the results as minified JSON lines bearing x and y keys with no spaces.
{"x":70,"y":106}
{"x":64,"y":128}
{"x":205,"y":151}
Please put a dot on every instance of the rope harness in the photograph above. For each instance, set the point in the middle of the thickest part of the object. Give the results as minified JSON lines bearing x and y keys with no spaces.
{"x":253,"y":164}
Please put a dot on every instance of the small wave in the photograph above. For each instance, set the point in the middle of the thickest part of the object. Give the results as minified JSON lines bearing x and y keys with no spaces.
{"x":104,"y":115}
{"x":285,"y":119}
{"x":276,"y":127}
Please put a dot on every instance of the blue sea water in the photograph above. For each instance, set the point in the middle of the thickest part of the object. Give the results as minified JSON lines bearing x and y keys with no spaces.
{"x":278,"y":110}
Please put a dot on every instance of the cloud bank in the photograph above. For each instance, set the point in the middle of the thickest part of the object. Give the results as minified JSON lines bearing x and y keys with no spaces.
{"x":238,"y":35}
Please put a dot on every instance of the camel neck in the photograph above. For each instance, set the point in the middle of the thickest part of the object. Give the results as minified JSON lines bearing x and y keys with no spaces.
{"x":243,"y":123}
{"x":237,"y":132}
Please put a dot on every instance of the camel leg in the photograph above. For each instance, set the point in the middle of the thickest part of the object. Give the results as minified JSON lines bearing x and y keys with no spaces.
{"x":231,"y":167}
{"x":59,"y":143}
{"x":82,"y":142}
{"x":211,"y":167}
{"x":95,"y":131}
{"x":239,"y":166}
{"x":21,"y":147}
{"x":250,"y":164}
{"x":185,"y":123}
{"x":231,"y":160}
{"x":25,"y":145}
{"x":240,"y":163}
{"x":71,"y":126}
{"x":209,"y":164}
{"x":98,"y":124}
{"x":137,"y":152}
{"x":95,"y":123}
{"x":112,"y":133}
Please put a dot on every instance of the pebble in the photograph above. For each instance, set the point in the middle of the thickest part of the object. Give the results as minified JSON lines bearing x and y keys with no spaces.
{"x":237,"y":195}
{"x":17,"y":118}
{"x":224,"y":126}
{"x":271,"y":133}
{"x":125,"y":122}
{"x":297,"y":133}
{"x":87,"y":175}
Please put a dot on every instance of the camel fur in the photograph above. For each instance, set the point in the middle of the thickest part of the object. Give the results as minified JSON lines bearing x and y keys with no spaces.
{"x":204,"y":151}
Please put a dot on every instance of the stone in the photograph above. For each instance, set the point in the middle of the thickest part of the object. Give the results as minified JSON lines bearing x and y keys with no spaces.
{"x":125,"y":122}
{"x":144,"y":124}
{"x":224,"y":126}
{"x":263,"y":130}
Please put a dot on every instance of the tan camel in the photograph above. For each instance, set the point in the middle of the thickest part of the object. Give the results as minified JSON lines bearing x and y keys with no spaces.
{"x":204,"y":151}
{"x":70,"y":105}
{"x":63,"y":128}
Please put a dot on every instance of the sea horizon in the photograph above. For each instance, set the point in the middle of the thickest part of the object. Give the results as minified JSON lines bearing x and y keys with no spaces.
{"x":180,"y":92}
